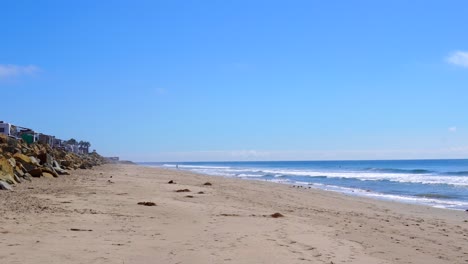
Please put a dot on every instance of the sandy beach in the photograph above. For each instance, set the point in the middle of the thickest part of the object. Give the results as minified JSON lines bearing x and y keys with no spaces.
{"x":93,"y":216}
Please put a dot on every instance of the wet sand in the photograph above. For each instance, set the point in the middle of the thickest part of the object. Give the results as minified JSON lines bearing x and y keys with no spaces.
{"x":93,"y":216}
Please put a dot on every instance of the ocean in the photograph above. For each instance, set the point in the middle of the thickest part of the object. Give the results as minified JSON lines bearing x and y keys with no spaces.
{"x":437,"y":183}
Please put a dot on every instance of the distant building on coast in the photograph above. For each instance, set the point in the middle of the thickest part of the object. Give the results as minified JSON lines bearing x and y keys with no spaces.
{"x":27,"y":134}
{"x":114,"y":159}
{"x":30,"y":136}
{"x":47,"y":139}
{"x":58,"y":143}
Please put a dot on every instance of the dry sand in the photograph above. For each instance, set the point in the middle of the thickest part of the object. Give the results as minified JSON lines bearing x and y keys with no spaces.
{"x":89,"y":217}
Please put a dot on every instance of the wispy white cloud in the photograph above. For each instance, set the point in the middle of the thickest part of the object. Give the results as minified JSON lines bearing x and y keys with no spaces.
{"x":452,"y":129}
{"x":459,"y":58}
{"x":10,"y":70}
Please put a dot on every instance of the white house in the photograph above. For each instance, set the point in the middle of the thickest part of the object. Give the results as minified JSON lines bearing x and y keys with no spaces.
{"x":5,"y":128}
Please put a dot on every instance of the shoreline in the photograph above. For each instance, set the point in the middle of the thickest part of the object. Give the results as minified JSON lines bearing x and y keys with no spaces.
{"x":312,"y":189}
{"x":229,"y":222}
{"x":353,"y":192}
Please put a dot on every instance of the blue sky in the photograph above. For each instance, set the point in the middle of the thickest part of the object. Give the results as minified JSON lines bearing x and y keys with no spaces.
{"x":240,"y":80}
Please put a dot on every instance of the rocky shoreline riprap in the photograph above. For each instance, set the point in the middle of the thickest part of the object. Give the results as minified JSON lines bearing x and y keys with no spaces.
{"x":20,"y":162}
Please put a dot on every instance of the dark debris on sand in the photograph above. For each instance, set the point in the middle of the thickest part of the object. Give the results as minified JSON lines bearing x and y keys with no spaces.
{"x":147,"y":203}
{"x":229,"y":215}
{"x":277,"y":215}
{"x":183,"y":190}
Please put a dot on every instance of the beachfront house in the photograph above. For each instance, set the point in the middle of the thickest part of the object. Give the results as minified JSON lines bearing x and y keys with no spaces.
{"x":28,"y":135}
{"x":58,"y":143}
{"x":75,"y":148}
{"x":5,"y":128}
{"x":46,"y":139}
{"x":84,"y":150}
{"x":8,"y":129}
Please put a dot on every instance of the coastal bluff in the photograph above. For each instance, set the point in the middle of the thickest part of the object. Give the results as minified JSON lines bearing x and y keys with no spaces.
{"x":20,"y":161}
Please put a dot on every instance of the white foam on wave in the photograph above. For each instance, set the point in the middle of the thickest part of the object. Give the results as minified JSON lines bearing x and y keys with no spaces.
{"x":284,"y":181}
{"x":232,"y":172}
{"x":193,"y":166}
{"x":243,"y":175}
{"x":213,"y":172}
{"x":372,"y":176}
{"x":359,"y":175}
